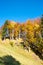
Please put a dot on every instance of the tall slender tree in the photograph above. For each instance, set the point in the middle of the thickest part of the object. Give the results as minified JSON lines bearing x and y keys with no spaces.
{"x":41,"y":25}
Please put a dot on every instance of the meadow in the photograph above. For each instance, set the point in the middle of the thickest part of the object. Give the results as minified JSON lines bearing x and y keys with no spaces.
{"x":16,"y":55}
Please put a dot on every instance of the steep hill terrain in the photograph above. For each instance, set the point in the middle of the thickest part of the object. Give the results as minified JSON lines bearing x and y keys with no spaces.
{"x":21,"y":56}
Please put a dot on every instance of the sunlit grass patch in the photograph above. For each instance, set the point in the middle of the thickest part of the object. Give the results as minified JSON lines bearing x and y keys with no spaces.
{"x":17,"y":52}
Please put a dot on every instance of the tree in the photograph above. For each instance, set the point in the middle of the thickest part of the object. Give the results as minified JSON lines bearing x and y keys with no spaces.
{"x":5,"y":29}
{"x":29,"y":30}
{"x":41,"y":26}
{"x":8,"y":29}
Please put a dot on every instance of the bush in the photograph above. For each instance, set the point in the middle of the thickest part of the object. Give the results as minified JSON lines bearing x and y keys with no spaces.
{"x":11,"y":43}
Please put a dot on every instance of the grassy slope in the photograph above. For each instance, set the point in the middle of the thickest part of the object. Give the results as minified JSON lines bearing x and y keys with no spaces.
{"x":24,"y":57}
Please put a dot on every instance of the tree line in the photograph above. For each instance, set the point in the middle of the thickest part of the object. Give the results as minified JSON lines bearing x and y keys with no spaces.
{"x":30,"y":31}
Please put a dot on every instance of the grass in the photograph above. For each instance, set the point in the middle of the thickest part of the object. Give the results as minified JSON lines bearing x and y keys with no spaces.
{"x":18,"y":55}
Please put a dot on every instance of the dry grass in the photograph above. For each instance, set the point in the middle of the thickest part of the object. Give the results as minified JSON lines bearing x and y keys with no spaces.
{"x":23,"y":56}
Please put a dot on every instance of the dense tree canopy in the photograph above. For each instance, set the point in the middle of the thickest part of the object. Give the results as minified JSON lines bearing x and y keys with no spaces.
{"x":31,"y":31}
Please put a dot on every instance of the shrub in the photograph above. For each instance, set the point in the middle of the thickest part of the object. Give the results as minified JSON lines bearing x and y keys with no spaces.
{"x":11,"y":43}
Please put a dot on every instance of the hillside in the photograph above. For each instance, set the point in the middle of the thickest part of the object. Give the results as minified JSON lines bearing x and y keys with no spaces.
{"x":21,"y":56}
{"x":17,"y":38}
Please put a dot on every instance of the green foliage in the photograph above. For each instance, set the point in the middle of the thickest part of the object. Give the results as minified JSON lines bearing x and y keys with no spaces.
{"x":6,"y":22}
{"x":8,"y":60}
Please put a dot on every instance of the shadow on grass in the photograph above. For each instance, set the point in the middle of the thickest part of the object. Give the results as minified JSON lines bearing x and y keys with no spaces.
{"x":34,"y":48}
{"x":8,"y":60}
{"x":37,"y":53}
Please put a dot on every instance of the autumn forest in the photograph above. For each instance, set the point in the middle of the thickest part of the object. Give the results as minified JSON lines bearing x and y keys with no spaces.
{"x":31,"y":33}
